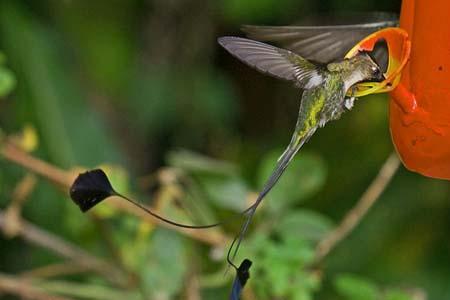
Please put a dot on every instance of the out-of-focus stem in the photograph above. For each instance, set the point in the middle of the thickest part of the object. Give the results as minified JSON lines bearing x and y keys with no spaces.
{"x":39,"y":237}
{"x":354,"y":216}
{"x":55,"y":270}
{"x":24,"y":289}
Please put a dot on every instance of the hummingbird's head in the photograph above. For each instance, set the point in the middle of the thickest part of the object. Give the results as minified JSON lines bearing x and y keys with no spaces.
{"x":366,"y":65}
{"x":359,"y":68}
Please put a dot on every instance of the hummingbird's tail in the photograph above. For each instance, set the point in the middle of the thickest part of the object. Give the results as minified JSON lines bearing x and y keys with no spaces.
{"x":284,"y":160}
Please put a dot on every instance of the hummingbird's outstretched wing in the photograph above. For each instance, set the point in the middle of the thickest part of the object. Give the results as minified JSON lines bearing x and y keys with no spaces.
{"x":323,"y":43}
{"x":274,"y":61}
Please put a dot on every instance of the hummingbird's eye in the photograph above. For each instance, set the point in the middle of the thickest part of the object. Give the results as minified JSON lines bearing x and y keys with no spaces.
{"x":376,"y":72}
{"x":377,"y":75}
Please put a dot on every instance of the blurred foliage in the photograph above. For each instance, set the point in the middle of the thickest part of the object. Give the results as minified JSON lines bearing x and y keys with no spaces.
{"x":304,"y":178}
{"x":7,"y":78}
{"x":128,"y":85}
{"x":356,"y":288}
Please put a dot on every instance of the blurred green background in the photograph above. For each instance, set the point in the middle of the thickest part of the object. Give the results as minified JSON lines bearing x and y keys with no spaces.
{"x":142,"y":88}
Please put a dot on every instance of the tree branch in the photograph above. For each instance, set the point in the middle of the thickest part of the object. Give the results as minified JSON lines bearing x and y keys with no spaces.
{"x":13,"y":212}
{"x":54,"y":270}
{"x":24,"y":289}
{"x":57,"y":176}
{"x":39,"y":237}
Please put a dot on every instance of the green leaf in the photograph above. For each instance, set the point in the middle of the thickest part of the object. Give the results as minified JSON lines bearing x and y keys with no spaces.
{"x":303,"y":178}
{"x":304,"y":224}
{"x":291,"y":252}
{"x":226,"y":192}
{"x":354,"y":287}
{"x":164,"y":271}
{"x":197,"y":163}
{"x":7,"y":81}
{"x":396,"y":294}
{"x":279,"y":267}
{"x":302,"y":295}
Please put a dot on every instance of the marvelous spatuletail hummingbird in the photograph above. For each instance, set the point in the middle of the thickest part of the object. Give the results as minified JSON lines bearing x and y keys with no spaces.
{"x":323,"y":98}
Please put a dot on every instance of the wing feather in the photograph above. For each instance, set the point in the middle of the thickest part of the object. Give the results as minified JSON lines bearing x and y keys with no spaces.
{"x":318,"y":43}
{"x":274,"y":61}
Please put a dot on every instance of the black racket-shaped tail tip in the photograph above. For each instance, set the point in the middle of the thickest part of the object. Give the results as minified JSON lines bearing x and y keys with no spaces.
{"x":243,"y":272}
{"x":242,"y":276}
{"x":90,"y":188}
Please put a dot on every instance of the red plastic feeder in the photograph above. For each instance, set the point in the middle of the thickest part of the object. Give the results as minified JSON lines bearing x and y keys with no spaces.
{"x":420,"y":104}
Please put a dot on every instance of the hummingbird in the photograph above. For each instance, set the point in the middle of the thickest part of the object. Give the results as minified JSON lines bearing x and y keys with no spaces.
{"x":323,"y":98}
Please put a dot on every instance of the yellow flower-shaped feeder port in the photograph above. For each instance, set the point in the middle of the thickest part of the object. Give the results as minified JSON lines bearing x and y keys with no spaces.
{"x":399,"y":48}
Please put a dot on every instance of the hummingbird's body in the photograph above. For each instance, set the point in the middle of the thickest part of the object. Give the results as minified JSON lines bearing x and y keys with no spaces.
{"x":323,"y":98}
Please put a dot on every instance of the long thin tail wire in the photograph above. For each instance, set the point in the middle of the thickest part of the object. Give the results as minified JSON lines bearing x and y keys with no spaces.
{"x":155,"y":215}
{"x":276,"y":174}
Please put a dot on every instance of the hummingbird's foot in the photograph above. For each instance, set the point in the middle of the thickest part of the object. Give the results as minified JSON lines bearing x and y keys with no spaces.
{"x":349,"y":102}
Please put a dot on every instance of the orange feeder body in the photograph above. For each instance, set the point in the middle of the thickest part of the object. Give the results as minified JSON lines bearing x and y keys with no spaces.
{"x":420,"y":104}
